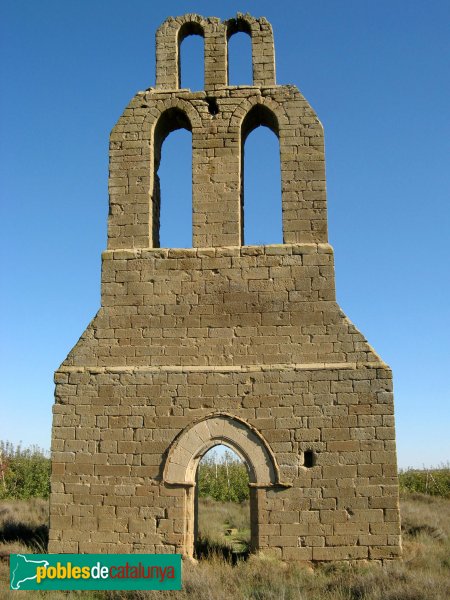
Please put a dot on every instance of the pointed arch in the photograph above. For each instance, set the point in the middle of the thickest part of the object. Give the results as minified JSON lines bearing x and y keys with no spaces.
{"x":259,"y":114}
{"x":221,"y":428}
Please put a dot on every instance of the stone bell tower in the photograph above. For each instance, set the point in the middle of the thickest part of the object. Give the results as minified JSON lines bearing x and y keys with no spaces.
{"x":222,"y":342}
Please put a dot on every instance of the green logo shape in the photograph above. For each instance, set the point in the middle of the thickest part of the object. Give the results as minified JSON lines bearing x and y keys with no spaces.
{"x":95,"y":571}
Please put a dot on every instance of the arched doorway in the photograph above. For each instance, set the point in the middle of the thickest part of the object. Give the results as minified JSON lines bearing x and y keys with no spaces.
{"x":222,"y":505}
{"x":193,"y":443}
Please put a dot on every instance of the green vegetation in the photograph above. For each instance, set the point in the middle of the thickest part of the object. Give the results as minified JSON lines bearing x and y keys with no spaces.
{"x":223,"y":479}
{"x":435,"y":482}
{"x":24,"y":472}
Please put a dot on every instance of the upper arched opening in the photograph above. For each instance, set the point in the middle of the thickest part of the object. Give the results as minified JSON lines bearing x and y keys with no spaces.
{"x":190,"y":28}
{"x":191,"y":62}
{"x":257,"y":52}
{"x":238,"y":24}
{"x":239,"y":52}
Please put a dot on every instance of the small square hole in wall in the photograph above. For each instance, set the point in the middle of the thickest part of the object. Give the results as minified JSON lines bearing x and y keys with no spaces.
{"x":308,"y":459}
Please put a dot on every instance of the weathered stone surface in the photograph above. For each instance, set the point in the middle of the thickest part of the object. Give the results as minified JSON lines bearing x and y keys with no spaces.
{"x":222,"y":342}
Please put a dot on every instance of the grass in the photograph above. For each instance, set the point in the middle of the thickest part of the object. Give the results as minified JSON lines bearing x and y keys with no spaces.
{"x":424,"y":574}
{"x":223,"y":528}
{"x":23,"y":526}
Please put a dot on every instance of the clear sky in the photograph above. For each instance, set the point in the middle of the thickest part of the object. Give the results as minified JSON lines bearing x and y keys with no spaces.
{"x":377,"y":74}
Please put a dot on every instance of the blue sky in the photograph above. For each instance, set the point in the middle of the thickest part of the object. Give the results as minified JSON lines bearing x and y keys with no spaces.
{"x":377,"y":75}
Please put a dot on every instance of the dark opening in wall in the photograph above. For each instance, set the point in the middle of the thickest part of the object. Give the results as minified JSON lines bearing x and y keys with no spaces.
{"x":240,"y":69}
{"x":213,"y":107}
{"x":191,"y":57}
{"x":308,"y":459}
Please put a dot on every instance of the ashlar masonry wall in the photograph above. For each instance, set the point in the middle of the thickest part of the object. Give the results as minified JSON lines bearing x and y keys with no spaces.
{"x":222,"y":342}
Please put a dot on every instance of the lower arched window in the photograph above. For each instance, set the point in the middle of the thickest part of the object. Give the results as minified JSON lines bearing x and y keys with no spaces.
{"x":261,"y":208}
{"x":172,"y":182}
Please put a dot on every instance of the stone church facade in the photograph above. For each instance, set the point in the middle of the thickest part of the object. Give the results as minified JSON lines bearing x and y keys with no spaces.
{"x":222,"y":342}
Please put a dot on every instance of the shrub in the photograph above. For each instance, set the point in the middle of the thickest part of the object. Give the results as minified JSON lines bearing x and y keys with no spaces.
{"x":24,"y":472}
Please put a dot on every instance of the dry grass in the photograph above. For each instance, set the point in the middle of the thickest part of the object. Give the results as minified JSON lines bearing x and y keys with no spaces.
{"x":24,"y":525}
{"x":216,"y":519}
{"x":424,"y":573}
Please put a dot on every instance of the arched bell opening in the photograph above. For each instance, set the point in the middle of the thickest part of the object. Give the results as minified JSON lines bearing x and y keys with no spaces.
{"x":166,"y":200}
{"x":260,"y":197}
{"x":239,"y":52}
{"x":191,"y":56}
